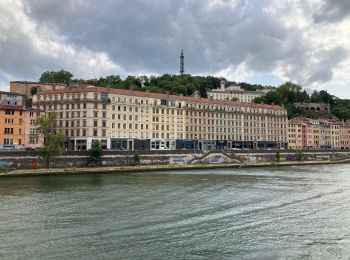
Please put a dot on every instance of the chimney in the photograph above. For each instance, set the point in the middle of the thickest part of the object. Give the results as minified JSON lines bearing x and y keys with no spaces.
{"x":167,"y":92}
{"x":147,"y":91}
{"x":273,"y":103}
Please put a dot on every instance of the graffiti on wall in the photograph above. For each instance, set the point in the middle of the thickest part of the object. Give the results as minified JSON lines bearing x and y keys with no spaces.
{"x":4,"y":164}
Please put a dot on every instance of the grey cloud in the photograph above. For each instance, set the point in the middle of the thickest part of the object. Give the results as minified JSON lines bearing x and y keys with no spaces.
{"x":332,"y":11}
{"x":322,"y":71}
{"x":146,"y":35}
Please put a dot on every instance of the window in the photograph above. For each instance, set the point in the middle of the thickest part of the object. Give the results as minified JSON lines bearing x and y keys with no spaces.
{"x":95,"y":123}
{"x":10,"y":112}
{"x":8,"y":131}
{"x":95,"y":132}
{"x":8,"y":141}
{"x":84,"y":123}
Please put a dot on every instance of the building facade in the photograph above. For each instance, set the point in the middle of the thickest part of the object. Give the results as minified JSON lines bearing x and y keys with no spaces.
{"x":318,"y":134}
{"x":17,"y":123}
{"x":295,"y":134}
{"x":127,"y":119}
{"x":83,"y":114}
{"x":159,"y":121}
{"x":235,"y":93}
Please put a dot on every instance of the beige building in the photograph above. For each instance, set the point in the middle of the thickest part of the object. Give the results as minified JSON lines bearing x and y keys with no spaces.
{"x":127,"y":119}
{"x":83,"y":114}
{"x":178,"y":122}
{"x":295,"y":138}
{"x":235,"y":92}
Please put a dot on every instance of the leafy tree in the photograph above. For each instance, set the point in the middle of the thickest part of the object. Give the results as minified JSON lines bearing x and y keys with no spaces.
{"x":272,"y":97}
{"x":136,"y":159}
{"x":278,"y":157}
{"x":61,"y":76}
{"x":96,"y":152}
{"x":52,"y":140}
{"x":300,"y":156}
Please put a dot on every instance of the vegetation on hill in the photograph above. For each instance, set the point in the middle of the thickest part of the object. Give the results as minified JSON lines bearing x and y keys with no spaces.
{"x":174,"y":84}
{"x":286,"y":94}
{"x":289,"y":93}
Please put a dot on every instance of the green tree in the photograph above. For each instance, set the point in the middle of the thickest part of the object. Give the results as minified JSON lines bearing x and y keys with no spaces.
{"x":96,"y":152}
{"x":136,"y":159}
{"x":52,"y":139}
{"x":300,"y":156}
{"x":272,"y":97}
{"x":278,"y":157}
{"x":61,"y":76}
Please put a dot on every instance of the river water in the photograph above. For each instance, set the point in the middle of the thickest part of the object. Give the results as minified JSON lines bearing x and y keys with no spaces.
{"x":300,"y":212}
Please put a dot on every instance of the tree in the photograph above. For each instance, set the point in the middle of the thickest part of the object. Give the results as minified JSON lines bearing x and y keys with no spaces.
{"x":278,"y":157}
{"x":203,"y":92}
{"x":61,"y":76}
{"x":136,"y":159}
{"x":96,"y":152}
{"x":52,"y":139}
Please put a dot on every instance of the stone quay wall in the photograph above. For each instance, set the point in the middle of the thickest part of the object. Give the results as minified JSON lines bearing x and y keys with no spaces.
{"x":30,"y":160}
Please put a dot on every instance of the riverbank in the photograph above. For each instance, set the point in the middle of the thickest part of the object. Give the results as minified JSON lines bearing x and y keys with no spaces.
{"x":147,"y":168}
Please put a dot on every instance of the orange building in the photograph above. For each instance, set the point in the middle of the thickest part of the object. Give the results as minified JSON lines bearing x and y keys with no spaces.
{"x":12,"y":116}
{"x":17,"y":124}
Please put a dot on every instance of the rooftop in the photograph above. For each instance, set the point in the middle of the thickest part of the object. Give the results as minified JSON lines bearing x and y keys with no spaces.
{"x":159,"y":96}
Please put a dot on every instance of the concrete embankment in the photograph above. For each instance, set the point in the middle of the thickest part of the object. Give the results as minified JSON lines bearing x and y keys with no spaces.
{"x":148,"y":168}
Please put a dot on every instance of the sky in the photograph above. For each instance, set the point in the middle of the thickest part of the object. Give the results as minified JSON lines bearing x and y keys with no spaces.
{"x":265,"y":42}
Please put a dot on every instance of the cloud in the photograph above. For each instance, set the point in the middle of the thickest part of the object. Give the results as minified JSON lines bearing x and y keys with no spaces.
{"x":4,"y":86}
{"x":332,"y":11}
{"x":27,"y":49}
{"x":231,"y":38}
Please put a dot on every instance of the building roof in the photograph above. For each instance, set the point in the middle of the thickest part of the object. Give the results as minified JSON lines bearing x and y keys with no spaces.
{"x":127,"y":92}
{"x":11,"y":93}
{"x":11,"y":107}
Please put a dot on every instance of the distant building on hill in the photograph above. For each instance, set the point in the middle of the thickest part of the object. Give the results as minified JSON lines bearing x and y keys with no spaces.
{"x":235,"y":92}
{"x":317,"y":107}
{"x":28,"y":88}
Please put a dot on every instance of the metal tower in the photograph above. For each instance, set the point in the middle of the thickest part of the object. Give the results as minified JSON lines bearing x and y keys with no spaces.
{"x":182,"y":65}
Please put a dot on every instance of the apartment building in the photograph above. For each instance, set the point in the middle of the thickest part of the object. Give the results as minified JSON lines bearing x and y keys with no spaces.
{"x":295,"y":134}
{"x":17,"y":123}
{"x":318,"y":133}
{"x":83,"y":114}
{"x":140,"y":120}
{"x":344,"y":138}
{"x":127,"y":119}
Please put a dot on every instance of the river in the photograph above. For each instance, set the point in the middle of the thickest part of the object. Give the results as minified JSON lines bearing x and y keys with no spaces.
{"x":300,"y":212}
